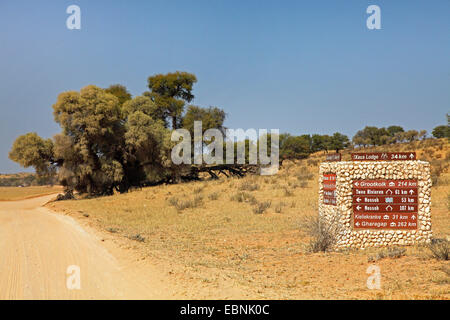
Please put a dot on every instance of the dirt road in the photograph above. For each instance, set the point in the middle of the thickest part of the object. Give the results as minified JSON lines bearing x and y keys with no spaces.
{"x":37,"y":248}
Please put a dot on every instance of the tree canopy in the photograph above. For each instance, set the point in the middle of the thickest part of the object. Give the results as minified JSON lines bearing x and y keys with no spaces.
{"x":170,"y":92}
{"x":111,"y":141}
{"x":441,"y":132}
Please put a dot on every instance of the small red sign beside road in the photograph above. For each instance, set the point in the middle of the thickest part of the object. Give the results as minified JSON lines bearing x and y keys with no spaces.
{"x":384,"y":156}
{"x":329,"y":189}
{"x":385,"y":204}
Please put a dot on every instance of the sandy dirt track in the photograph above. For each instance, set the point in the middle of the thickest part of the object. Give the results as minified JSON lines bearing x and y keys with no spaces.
{"x":37,"y":246}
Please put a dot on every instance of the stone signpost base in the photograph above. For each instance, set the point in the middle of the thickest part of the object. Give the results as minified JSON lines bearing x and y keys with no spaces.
{"x":376,"y":203}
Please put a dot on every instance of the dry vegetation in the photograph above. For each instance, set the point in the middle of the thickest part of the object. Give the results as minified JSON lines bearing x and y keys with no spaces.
{"x":247,"y":233}
{"x":19,"y":193}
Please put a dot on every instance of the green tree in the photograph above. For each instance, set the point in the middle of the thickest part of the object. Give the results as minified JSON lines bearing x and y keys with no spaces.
{"x":392,"y":130}
{"x":120,"y":92}
{"x":339,"y":142}
{"x":108,"y":142}
{"x":422,"y":134}
{"x":411,"y":135}
{"x":295,"y":147}
{"x":93,"y":138}
{"x":170,"y":92}
{"x":143,"y":104}
{"x":30,"y":150}
{"x":211,"y":118}
{"x":317,"y":143}
{"x":371,"y":136}
{"x":441,"y":132}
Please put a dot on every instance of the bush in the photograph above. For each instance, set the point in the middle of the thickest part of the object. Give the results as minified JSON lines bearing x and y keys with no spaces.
{"x":248,"y":186}
{"x":213,"y":196}
{"x":199,"y":189}
{"x":243,"y":197}
{"x":68,"y":195}
{"x":287,"y":192}
{"x":261,"y":207}
{"x":137,"y":237}
{"x":304,"y":174}
{"x":180,"y":205}
{"x":391,"y":252}
{"x":439,"y":249}
{"x":303,"y":184}
{"x":324,"y":233}
{"x":279,"y":207}
{"x":312,"y":162}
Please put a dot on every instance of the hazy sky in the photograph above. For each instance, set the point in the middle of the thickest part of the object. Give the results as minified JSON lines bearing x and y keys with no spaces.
{"x":299,"y":66}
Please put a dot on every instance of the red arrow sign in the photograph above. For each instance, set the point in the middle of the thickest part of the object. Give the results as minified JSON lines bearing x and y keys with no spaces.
{"x":384,"y":199}
{"x":384,"y":156}
{"x":367,"y":208}
{"x":385,"y":221}
{"x":389,"y":184}
{"x":384,"y":191}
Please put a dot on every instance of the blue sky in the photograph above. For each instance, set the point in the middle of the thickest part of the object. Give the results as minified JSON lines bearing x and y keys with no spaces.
{"x":299,"y":66}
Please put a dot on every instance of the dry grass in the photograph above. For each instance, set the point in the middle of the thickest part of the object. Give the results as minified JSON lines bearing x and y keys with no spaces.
{"x":222,"y":239}
{"x":19,"y":193}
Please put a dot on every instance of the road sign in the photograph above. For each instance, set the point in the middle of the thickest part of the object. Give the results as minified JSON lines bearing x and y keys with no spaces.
{"x":333,"y":157}
{"x":385,"y":204}
{"x":385,"y":183}
{"x":357,"y":207}
{"x":329,"y":189}
{"x":384,"y":156}
{"x":385,"y":191}
{"x":385,"y":221}
{"x":329,"y":201}
{"x":385,"y":199}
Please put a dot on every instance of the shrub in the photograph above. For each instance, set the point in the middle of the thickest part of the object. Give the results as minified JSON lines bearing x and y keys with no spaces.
{"x":439,"y":249}
{"x":279,"y":207}
{"x":323,"y":233}
{"x":293,"y":184}
{"x":304,"y":174}
{"x":213,"y":196}
{"x":173,"y":201}
{"x":248,"y":186}
{"x":68,"y":195}
{"x":287,"y":192}
{"x":261,"y":207}
{"x":391,"y":252}
{"x":199,"y":189}
{"x":137,"y":237}
{"x":243,"y":197}
{"x":312,"y":162}
{"x":180,"y":205}
{"x":303,"y":184}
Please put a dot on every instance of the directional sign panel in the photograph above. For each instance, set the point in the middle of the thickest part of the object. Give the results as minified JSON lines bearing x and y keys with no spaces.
{"x":385,"y":204}
{"x":384,"y":156}
{"x":333,"y":157}
{"x":329,"y":189}
{"x":384,"y":191}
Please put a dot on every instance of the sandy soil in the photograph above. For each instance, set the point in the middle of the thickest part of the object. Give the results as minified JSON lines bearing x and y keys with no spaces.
{"x":37,"y":246}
